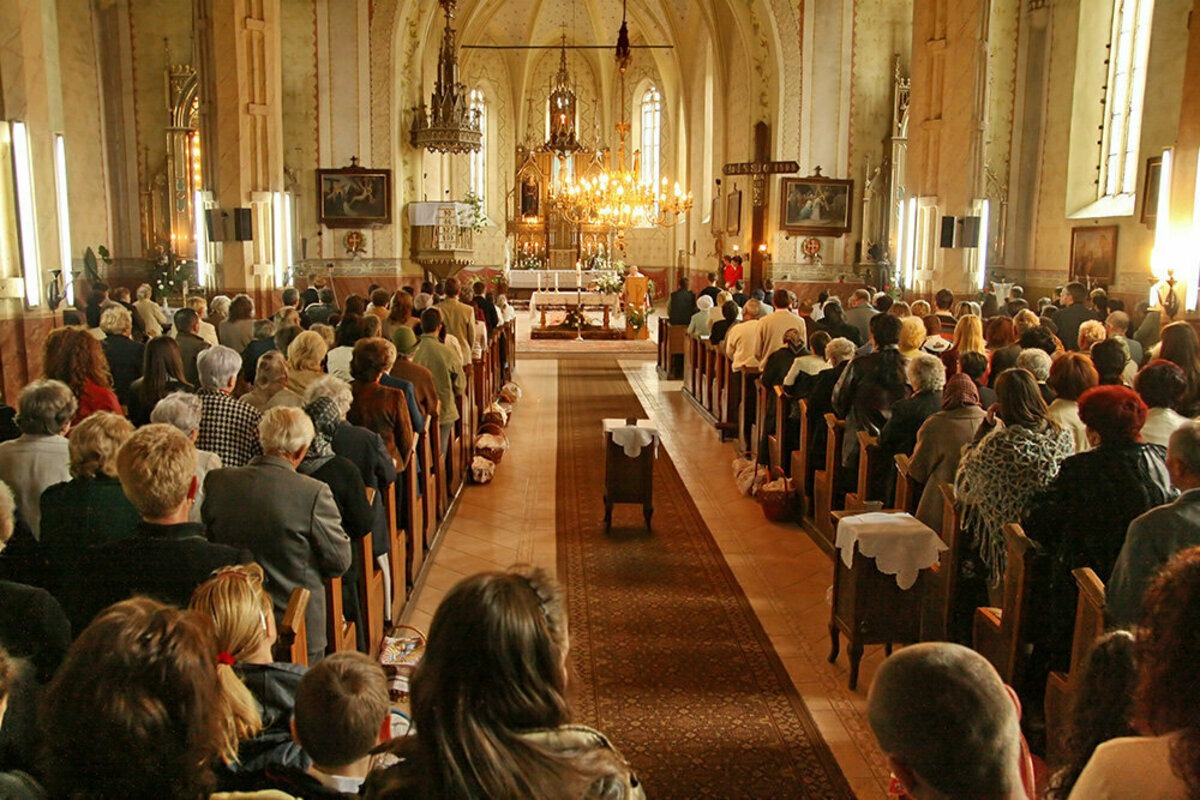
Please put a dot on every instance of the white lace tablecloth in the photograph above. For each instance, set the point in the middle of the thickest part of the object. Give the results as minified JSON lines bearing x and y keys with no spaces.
{"x":900,"y":545}
{"x":633,"y":437}
{"x":571,"y":298}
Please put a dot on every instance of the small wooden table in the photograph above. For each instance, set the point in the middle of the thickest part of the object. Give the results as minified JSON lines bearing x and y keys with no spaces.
{"x":628,"y":479}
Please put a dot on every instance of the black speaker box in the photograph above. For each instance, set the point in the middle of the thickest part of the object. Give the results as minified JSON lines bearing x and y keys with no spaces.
{"x":970,"y":232}
{"x":949,"y":224}
{"x":243,"y":230}
{"x":214,"y":220}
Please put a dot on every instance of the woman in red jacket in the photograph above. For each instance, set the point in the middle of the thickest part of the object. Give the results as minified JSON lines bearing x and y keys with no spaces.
{"x":74,"y":356}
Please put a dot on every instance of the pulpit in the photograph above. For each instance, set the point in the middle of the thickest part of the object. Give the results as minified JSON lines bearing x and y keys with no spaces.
{"x":630,"y":446}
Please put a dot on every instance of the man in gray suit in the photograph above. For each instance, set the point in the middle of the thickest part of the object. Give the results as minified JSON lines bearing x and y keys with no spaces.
{"x":860,"y":313}
{"x":1160,"y":533}
{"x":287,"y":520}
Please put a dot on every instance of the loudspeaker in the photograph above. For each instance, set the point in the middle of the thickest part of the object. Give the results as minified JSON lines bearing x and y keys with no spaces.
{"x":970,"y":232}
{"x":949,"y":226}
{"x":243,"y":230}
{"x":214,"y":219}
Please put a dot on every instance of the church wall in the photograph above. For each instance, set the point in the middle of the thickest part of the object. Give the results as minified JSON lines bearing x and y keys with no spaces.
{"x":300,"y":102}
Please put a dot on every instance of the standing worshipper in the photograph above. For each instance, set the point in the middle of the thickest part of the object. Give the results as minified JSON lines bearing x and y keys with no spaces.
{"x":682,"y":303}
{"x":124,"y":355}
{"x":445,"y":370}
{"x":458,"y":318}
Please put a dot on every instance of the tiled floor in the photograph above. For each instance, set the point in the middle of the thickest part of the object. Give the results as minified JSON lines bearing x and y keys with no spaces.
{"x":785,"y":576}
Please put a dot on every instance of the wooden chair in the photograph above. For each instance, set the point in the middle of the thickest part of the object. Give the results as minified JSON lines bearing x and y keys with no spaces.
{"x":341,"y":634}
{"x":291,"y":646}
{"x":1089,"y":626}
{"x":799,"y":459}
{"x":908,"y":490}
{"x":825,"y":481}
{"x":1001,"y":634}
{"x":940,"y":588}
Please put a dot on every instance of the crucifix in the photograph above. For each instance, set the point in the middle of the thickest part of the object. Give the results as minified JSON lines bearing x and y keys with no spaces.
{"x":759,"y":169}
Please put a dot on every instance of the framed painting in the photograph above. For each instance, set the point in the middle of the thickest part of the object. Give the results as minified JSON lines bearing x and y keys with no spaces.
{"x":816,"y":206}
{"x":1094,"y":254}
{"x":733,"y":212}
{"x":1150,"y":191}
{"x":354,"y":197}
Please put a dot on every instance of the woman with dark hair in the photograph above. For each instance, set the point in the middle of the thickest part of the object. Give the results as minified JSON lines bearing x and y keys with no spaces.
{"x":1070,"y":376}
{"x":74,"y":356}
{"x":355,"y":304}
{"x":162,"y":373}
{"x":349,"y":331}
{"x":729,"y":317}
{"x":376,"y":407}
{"x":489,"y":704}
{"x":1181,"y":347}
{"x":834,"y":323}
{"x":237,"y":330}
{"x":1161,"y":385}
{"x":401,"y":313}
{"x":998,"y":333}
{"x":1110,"y":357}
{"x":1166,"y":763}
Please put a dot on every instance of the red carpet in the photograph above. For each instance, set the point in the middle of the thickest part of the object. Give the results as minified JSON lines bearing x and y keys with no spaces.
{"x":669,"y":659}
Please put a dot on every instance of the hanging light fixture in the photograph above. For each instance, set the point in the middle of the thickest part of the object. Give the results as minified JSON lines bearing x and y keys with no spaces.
{"x":448,"y":124}
{"x":563,"y":141}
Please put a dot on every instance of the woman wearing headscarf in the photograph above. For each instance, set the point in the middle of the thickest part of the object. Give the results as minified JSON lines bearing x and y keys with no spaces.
{"x":940,"y":442}
{"x":701,"y":323}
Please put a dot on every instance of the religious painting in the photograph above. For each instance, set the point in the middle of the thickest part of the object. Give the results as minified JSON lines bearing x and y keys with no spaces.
{"x":530,"y":196}
{"x":733,"y":213}
{"x":815,"y":206}
{"x":1094,"y":254}
{"x":1150,"y":191}
{"x":354,"y":197}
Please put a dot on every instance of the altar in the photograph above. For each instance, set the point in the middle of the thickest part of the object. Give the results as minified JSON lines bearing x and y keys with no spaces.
{"x":573,"y":301}
{"x":551,"y":279}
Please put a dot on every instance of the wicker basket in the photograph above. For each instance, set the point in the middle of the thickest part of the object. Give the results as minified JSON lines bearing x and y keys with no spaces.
{"x":778,"y":504}
{"x":403,"y":648}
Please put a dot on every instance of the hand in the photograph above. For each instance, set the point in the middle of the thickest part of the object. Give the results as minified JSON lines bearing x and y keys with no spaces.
{"x":989,"y":418}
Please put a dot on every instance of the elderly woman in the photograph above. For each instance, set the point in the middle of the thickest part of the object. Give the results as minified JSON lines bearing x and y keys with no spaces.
{"x":926,"y":376}
{"x":123,"y":354}
{"x":304,"y":356}
{"x":271,"y":384}
{"x":237,"y":330}
{"x":701,"y":323}
{"x":40,"y":457}
{"x":1037,"y":363}
{"x":151,"y":314}
{"x":1161,"y":386}
{"x":801,"y":376}
{"x":1070,"y":376}
{"x":912,"y":336}
{"x":838,"y":353}
{"x":207,"y":331}
{"x":218,"y":312}
{"x":337,"y":360}
{"x":264,"y":341}
{"x":940,"y":441}
{"x":182,"y":410}
{"x":505,"y":310}
{"x":73,"y":356}
{"x":376,"y":407}
{"x":228,"y":427}
{"x":1091,"y":333}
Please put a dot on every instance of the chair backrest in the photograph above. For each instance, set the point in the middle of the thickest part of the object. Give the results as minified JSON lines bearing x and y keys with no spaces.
{"x":869,"y":455}
{"x":908,"y":491}
{"x":292,"y":645}
{"x":1018,"y":584}
{"x":833,"y":443}
{"x":942,"y":585}
{"x":340,"y":633}
{"x":1089,"y":615}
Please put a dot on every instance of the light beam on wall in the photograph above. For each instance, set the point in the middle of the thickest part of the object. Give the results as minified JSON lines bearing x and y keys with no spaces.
{"x":200,"y":237}
{"x":288,"y":261}
{"x":31,"y":263}
{"x":64,"y":217}
{"x":982,"y":248}
{"x":1163,"y":253}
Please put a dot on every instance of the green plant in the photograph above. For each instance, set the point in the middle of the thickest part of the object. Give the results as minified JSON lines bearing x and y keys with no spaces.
{"x":636,"y":318}
{"x":476,"y":217}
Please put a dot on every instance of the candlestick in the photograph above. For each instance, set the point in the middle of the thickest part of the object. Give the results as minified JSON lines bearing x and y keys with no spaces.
{"x":556,"y":281}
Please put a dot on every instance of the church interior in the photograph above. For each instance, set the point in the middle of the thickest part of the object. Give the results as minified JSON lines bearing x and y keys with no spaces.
{"x":589,"y":160}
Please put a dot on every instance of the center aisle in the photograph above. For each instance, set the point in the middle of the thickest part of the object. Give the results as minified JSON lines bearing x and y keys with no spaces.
{"x":670,"y":659}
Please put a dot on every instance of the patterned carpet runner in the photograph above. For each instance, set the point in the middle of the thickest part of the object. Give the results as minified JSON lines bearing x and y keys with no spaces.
{"x":669,"y":659}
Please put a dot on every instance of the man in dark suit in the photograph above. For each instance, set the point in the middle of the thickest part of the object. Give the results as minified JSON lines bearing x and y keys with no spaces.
{"x":491,"y":317}
{"x":187,"y":327}
{"x":168,"y":556}
{"x":711,"y":290}
{"x":123,"y":353}
{"x":1073,"y":314}
{"x":289,"y":521}
{"x":682,"y":304}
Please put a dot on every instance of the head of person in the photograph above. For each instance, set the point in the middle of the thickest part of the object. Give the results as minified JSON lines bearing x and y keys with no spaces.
{"x":704,"y":303}
{"x":1114,"y":415}
{"x":271,"y":370}
{"x":729,"y":311}
{"x":724,"y":296}
{"x":1040,"y":338}
{"x":8,"y":508}
{"x":912,"y":334}
{"x":162,"y":360}
{"x":285,"y":334}
{"x":817,"y":343}
{"x":968,"y":334}
{"x":1071,"y":375}
{"x":834,"y":313}
{"x":241,"y":611}
{"x":1098,"y":299}
{"x":946,"y":723}
{"x":964,"y":308}
{"x":144,"y":292}
{"x":933,"y":325}
{"x":884,"y":302}
{"x":1036,"y":362}
{"x":402,"y":308}
{"x":1020,"y":400}
{"x":901,"y":309}
{"x":157,"y":469}
{"x":405,"y":339}
{"x":974,"y":366}
{"x":1025,"y":320}
{"x":186,"y":320}
{"x":290,"y":296}
{"x":335,"y":389}
{"x":45,"y":408}
{"x":285,"y":433}
{"x":752,"y":310}
{"x":180,"y":410}
{"x":94,"y":443}
{"x":264,"y":329}
{"x":712,"y":279}
{"x":959,"y":391}
{"x":793,"y":339}
{"x":355,"y":304}
{"x":379,"y":298}
{"x":926,"y":373}
{"x":943,"y":299}
{"x":1091,"y":332}
{"x":198,"y":304}
{"x":859,"y":297}
{"x":371,"y":359}
{"x":325,"y":296}
{"x":1183,"y":456}
{"x":307,"y":351}
{"x":920,"y":308}
{"x":349,"y":331}
{"x":1074,"y":292}
{"x":326,"y":332}
{"x":999,"y":332}
{"x":1116,"y":323}
{"x":116,"y":321}
{"x":70,"y":357}
{"x":1181,"y":346}
{"x":431,"y":320}
{"x":342,"y":710}
{"x":990,"y":306}
{"x":1161,"y":384}
{"x":218,"y":368}
{"x":839,"y":350}
{"x":885,"y":330}
{"x":1110,"y":357}
{"x":143,"y":675}
{"x":220,"y":306}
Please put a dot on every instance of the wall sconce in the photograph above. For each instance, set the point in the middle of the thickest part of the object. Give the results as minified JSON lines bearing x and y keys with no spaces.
{"x":31,"y":263}
{"x":762,"y":251}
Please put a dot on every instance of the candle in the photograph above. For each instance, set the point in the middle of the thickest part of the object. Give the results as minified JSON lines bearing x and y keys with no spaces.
{"x":556,"y":281}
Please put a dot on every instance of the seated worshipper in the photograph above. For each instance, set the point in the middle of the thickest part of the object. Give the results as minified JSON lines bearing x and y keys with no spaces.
{"x":940,"y":441}
{"x":73,"y":356}
{"x":244,"y":629}
{"x":1161,"y":386}
{"x":998,"y":333}
{"x":304,"y":356}
{"x":208,"y":325}
{"x":948,"y":726}
{"x":400,"y":315}
{"x":975,"y":367}
{"x":866,"y":392}
{"x":1111,"y":359}
{"x":912,"y":336}
{"x":289,"y":521}
{"x":290,"y":298}
{"x":162,"y":374}
{"x":927,"y":377}
{"x":342,"y":712}
{"x":773,"y":326}
{"x":942,"y":302}
{"x":421,"y":379}
{"x":1091,"y":332}
{"x":968,"y":338}
{"x":729,"y":314}
{"x":1101,"y":706}
{"x":1181,"y":347}
{"x":144,"y":676}
{"x":741,"y":339}
{"x":701,"y":320}
{"x":800,"y":377}
{"x":40,"y":457}
{"x":509,"y":314}
{"x":284,"y":336}
{"x":191,"y":344}
{"x":415,"y":415}
{"x":271,"y":384}
{"x":1117,"y":326}
{"x":935,"y":343}
{"x":1164,"y":763}
{"x":168,"y":556}
{"x":264,"y":341}
{"x":123,"y":354}
{"x":682,"y":303}
{"x":349,"y":493}
{"x":237,"y":331}
{"x":228,"y":427}
{"x":775,"y":369}
{"x":513,"y":735}
{"x":337,"y":361}
{"x":1037,"y":363}
{"x":860,"y":312}
{"x":710,"y":291}
{"x":151,"y":313}
{"x":1000,"y":474}
{"x":1070,"y":376}
{"x":380,"y":298}
{"x":90,"y":509}
{"x":717,"y":312}
{"x":833,"y":322}
{"x":183,"y":411}
{"x":380,"y":408}
{"x":1041,"y":338}
{"x":1160,"y":533}
{"x":483,"y":301}
{"x":355,"y":305}
{"x":320,"y":311}
{"x":838,"y":353}
{"x":446,"y":372}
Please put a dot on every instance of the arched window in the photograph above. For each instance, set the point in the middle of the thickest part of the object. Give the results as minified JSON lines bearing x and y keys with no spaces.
{"x":1129,"y":46}
{"x":478,"y":176}
{"x":651,"y":137}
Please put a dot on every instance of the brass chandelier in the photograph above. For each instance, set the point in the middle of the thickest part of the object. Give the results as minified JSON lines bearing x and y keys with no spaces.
{"x":448,"y":124}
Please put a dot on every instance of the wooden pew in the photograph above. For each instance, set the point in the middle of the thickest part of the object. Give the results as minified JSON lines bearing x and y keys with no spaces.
{"x":746,"y":409}
{"x":438,"y":494}
{"x":676,"y":342}
{"x":663,"y":360}
{"x":716,"y":379}
{"x":691,"y":366}
{"x":908,"y":490}
{"x":869,"y":456}
{"x":762,"y":399}
{"x":777,"y":449}
{"x":941,"y":585}
{"x":371,"y":597}
{"x":1089,"y":626}
{"x":399,"y":559}
{"x":340,"y":633}
{"x":799,"y":460}
{"x":510,"y":334}
{"x":291,"y":646}
{"x":1001,"y":634}
{"x":731,"y":396}
{"x":825,"y":481}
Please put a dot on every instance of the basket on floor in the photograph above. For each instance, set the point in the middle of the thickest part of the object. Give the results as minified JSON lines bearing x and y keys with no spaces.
{"x":777,"y":497}
{"x":491,"y":446}
{"x":402,"y":650}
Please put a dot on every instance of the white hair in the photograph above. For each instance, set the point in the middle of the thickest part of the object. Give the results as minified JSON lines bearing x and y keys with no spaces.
{"x":1184,"y":446}
{"x":285,"y":431}
{"x":1036,"y":361}
{"x":220,"y":305}
{"x":335,"y":389}
{"x":926,"y":373}
{"x":217,"y":367}
{"x":144,"y":291}
{"x":180,"y":410}
{"x":116,"y":319}
{"x":704,"y":303}
{"x":839,"y":350}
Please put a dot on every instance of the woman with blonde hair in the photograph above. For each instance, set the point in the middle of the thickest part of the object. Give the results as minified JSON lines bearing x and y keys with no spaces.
{"x":75,"y":357}
{"x":259,"y":687}
{"x":968,"y":338}
{"x":304,"y":357}
{"x":912,"y":336}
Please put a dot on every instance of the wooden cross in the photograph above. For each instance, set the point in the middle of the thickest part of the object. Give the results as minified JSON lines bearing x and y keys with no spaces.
{"x":759,"y":169}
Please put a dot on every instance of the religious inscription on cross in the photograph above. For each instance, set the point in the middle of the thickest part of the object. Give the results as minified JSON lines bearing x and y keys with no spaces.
{"x":759,"y":169}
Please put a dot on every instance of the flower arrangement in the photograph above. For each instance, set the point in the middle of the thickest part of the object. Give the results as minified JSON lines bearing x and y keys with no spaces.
{"x":531,"y":262}
{"x":610,"y":282}
{"x":636,"y":318}
{"x":171,"y":273}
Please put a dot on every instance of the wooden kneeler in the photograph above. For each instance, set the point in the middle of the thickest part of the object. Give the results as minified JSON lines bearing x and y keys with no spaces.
{"x":291,"y":646}
{"x":1089,"y":626}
